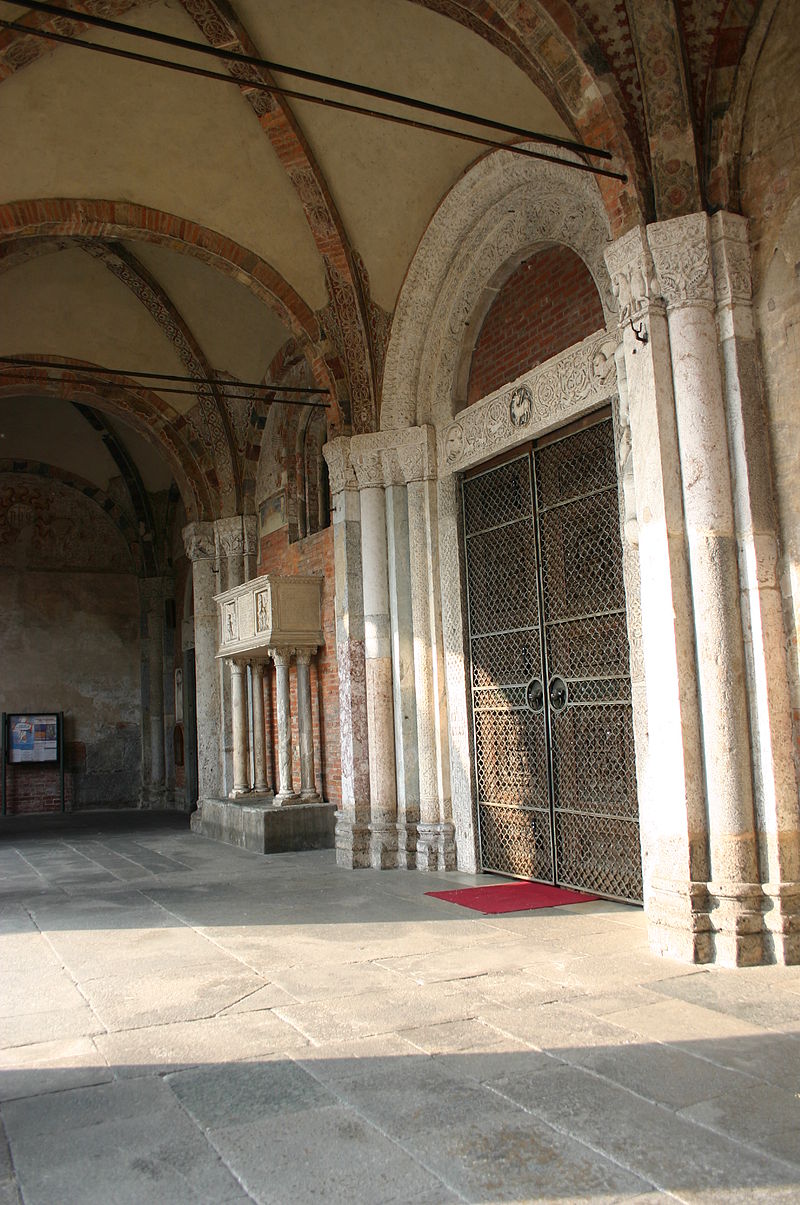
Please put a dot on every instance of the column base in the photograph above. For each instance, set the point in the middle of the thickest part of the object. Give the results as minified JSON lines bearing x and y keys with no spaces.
{"x":352,"y":843}
{"x":436,"y":846}
{"x":239,"y":792}
{"x":407,"y":845}
{"x":311,"y":796}
{"x":782,"y":923}
{"x":678,"y":924}
{"x":152,"y":798}
{"x":736,"y":912}
{"x":286,"y":797}
{"x":383,"y":846}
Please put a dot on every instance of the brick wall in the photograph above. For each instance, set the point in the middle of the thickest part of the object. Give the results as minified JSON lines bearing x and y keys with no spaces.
{"x":548,"y":304}
{"x":313,"y":555}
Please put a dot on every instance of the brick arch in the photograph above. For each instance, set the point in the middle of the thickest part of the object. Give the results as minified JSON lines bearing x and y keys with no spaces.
{"x":124,"y":522}
{"x":348,"y":310}
{"x":82,"y":218}
{"x":194,"y":475}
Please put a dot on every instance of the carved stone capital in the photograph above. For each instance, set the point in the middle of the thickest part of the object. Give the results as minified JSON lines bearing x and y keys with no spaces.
{"x":367,"y":463}
{"x":340,"y":468}
{"x":303,"y":655}
{"x":682,"y":258}
{"x":250,"y":530}
{"x":394,"y":457}
{"x":198,"y":540}
{"x":236,"y":667}
{"x":281,"y":657}
{"x":230,"y":536}
{"x":633,"y":280}
{"x":730,"y":258}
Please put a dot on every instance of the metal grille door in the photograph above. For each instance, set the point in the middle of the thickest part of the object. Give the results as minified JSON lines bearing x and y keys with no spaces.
{"x":552,"y":717}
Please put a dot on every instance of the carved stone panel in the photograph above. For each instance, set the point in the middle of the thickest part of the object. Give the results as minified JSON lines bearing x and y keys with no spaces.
{"x":270,"y":612}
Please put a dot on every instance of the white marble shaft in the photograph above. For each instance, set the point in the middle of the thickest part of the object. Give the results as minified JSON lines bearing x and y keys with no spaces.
{"x":241,"y":776}
{"x":308,"y":788}
{"x":282,"y":659}
{"x":260,"y":783}
{"x":682,"y":257}
{"x":378,"y":664}
{"x":199,"y":543}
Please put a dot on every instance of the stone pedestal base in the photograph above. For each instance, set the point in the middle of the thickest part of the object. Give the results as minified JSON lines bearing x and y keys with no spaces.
{"x":352,"y":843}
{"x":782,"y":923}
{"x":265,"y":827}
{"x":406,"y":846}
{"x":436,"y":847}
{"x":678,"y":924}
{"x":737,"y":924}
{"x":283,"y":798}
{"x":382,"y":846}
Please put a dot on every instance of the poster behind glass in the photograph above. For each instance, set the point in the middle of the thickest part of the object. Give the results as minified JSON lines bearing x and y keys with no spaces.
{"x":33,"y":738}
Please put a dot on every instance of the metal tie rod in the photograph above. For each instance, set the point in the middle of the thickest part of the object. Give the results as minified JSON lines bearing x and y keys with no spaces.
{"x":275,"y":90}
{"x":316,"y":77}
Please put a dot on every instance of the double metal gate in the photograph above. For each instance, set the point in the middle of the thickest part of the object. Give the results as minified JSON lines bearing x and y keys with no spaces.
{"x":550,"y":674}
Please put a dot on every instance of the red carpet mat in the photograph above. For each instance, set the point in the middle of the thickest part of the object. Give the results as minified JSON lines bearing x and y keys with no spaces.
{"x":512,"y":897}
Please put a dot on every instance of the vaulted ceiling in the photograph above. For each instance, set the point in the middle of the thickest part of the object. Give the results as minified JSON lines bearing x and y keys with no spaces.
{"x":164,"y":222}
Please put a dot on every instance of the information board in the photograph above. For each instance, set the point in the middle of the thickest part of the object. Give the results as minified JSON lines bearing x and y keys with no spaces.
{"x":33,"y":738}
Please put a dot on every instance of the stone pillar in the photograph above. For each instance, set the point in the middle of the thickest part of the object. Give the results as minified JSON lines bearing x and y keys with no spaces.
{"x":435,"y":834}
{"x":241,"y":774}
{"x":378,"y":657}
{"x":198,"y":539}
{"x":260,"y":784}
{"x":405,"y":712}
{"x":282,"y":659}
{"x":352,"y":833}
{"x":671,"y":798}
{"x":776,"y":799}
{"x":229,"y":536}
{"x":153,"y":794}
{"x":308,"y":786}
{"x":681,"y":253}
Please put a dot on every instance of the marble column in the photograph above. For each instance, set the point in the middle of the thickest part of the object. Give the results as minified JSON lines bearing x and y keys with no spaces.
{"x":229,"y":536}
{"x":282,"y":659}
{"x":308,"y":786}
{"x":672,"y":809}
{"x":377,"y":654}
{"x":155,"y":791}
{"x":682,"y":257}
{"x":435,"y":833}
{"x":260,"y":784}
{"x":200,"y":547}
{"x":775,"y":789}
{"x":241,"y":775}
{"x":352,"y":831}
{"x":405,"y":712}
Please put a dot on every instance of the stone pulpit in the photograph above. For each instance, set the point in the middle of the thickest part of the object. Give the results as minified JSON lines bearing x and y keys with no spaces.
{"x":270,"y":620}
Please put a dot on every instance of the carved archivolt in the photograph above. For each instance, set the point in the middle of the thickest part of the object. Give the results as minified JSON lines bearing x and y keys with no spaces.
{"x":504,"y":205}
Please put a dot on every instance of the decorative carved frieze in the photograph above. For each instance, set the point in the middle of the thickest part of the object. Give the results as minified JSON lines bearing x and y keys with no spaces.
{"x":269,"y":613}
{"x":580,"y":378}
{"x":394,"y":457}
{"x":682,"y":259}
{"x":198,"y":540}
{"x":633,"y":278}
{"x":340,"y":469}
{"x":730,"y":258}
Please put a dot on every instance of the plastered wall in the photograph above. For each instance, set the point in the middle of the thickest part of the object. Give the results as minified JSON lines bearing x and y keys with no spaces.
{"x":70,"y":642}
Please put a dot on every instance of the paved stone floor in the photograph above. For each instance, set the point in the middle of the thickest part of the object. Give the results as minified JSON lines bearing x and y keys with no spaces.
{"x":181,"y":1021}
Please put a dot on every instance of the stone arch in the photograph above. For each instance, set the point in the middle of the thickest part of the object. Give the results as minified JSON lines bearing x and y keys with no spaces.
{"x":77,"y":219}
{"x":145,"y":410}
{"x":499,"y":210}
{"x":121,"y":519}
